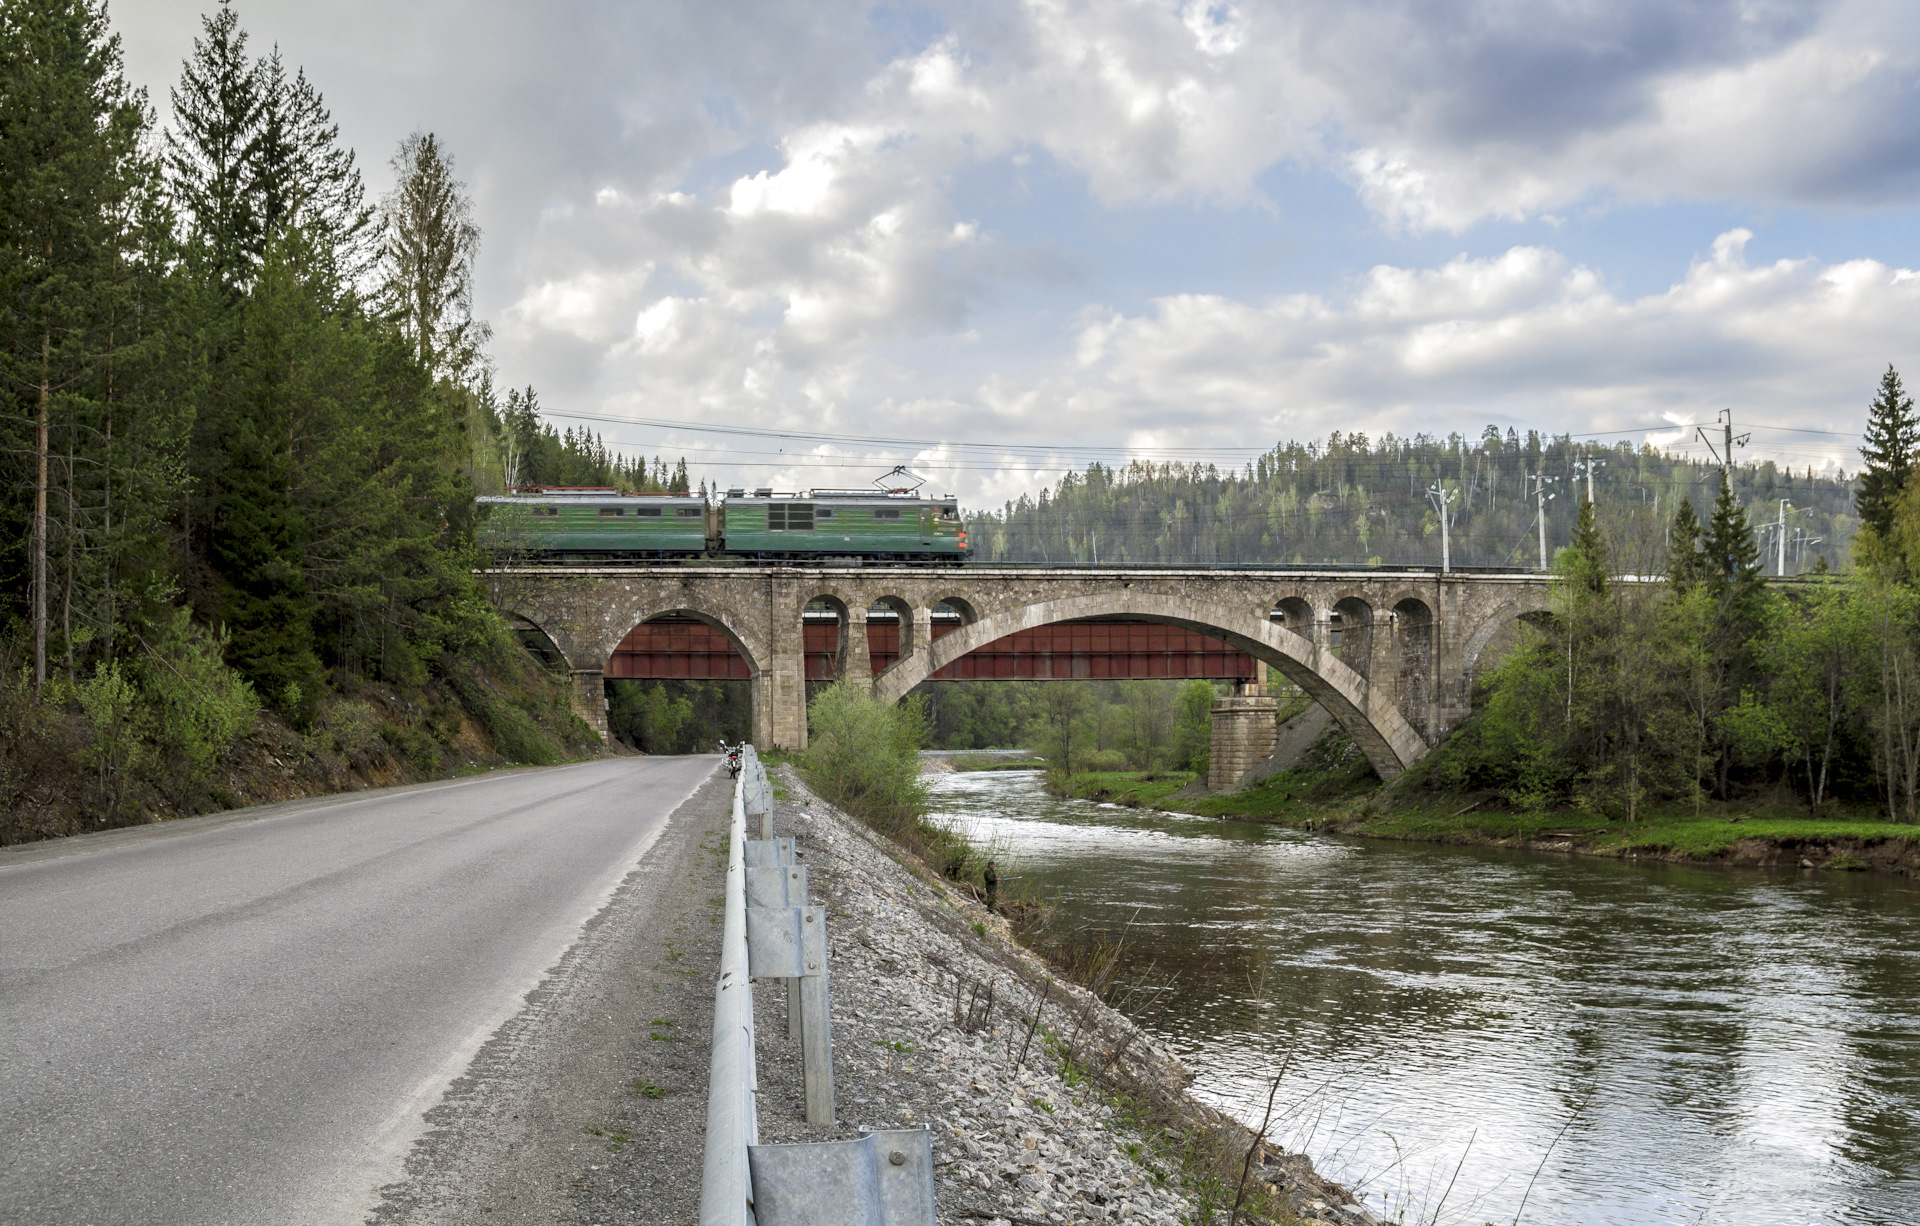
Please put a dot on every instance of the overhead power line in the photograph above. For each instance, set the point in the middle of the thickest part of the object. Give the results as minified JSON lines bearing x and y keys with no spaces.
{"x":1056,"y":451}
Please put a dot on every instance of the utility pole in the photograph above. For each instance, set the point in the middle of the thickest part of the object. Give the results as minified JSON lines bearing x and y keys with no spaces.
{"x":1723,"y":454}
{"x":1440,"y":497}
{"x":1587,"y":466}
{"x":1782,"y":569}
{"x":1540,"y":496}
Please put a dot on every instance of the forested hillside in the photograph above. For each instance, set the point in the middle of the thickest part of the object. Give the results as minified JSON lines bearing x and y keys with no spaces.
{"x":1355,"y":499}
{"x":247,"y":409}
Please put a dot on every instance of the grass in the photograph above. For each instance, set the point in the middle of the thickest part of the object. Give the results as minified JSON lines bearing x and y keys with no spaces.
{"x":1182,"y":1145}
{"x":1343,"y":801}
{"x":1149,"y":789}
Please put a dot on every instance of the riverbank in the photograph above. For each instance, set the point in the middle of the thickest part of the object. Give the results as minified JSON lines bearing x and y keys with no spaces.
{"x":1762,"y":832}
{"x":1046,"y":1105}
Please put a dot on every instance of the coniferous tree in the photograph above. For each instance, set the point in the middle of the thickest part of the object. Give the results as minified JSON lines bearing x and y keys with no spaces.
{"x":1683,"y":549}
{"x":211,"y":159}
{"x":302,"y":174}
{"x":430,"y":245}
{"x":1589,"y":563}
{"x":1730,"y":559}
{"x":70,"y":178}
{"x":1731,"y":578}
{"x":1892,"y":435}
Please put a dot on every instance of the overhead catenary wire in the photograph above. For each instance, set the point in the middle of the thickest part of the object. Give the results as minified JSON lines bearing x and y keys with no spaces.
{"x":1053,"y":451}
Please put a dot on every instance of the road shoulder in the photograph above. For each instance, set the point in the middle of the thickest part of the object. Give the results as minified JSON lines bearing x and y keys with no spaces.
{"x":590,"y":1104}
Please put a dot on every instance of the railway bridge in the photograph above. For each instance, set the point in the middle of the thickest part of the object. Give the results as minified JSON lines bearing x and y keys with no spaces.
{"x":1391,"y":654}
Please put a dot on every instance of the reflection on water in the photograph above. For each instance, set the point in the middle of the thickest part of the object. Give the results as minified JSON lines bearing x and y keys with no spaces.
{"x":1729,"y":1046}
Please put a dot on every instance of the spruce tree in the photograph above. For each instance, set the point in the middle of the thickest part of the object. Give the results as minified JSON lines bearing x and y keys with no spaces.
{"x":301,"y":174}
{"x":1731,"y":560}
{"x":1893,"y":433}
{"x":1588,"y":566}
{"x":210,"y":159}
{"x":1683,"y":549}
{"x":430,"y":246}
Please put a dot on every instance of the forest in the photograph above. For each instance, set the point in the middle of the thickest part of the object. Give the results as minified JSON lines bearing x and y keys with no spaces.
{"x":247,"y":409}
{"x":1353,"y":499}
{"x":1712,"y":684}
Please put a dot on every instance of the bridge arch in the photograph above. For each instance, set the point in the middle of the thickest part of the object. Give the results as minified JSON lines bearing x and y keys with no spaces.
{"x":1374,"y":721}
{"x":1492,"y":623}
{"x":734,"y":638}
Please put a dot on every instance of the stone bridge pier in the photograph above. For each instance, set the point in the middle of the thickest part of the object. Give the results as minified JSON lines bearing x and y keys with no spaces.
{"x":1390,"y":654}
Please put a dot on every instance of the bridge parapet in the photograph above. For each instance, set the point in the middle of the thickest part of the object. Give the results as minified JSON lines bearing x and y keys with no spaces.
{"x":1390,"y":654}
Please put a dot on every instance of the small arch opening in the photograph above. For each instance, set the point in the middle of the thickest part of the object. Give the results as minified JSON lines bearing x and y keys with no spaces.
{"x":823,"y":633}
{"x":539,"y":645}
{"x":1413,"y":662}
{"x":1293,"y":613}
{"x":1350,"y":633}
{"x":954,"y":609}
{"x":889,"y":631}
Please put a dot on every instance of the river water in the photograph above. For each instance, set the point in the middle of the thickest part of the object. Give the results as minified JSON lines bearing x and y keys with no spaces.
{"x":1660,"y":1043}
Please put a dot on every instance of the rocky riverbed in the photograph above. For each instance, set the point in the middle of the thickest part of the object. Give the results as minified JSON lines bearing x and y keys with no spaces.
{"x":1045,"y":1105}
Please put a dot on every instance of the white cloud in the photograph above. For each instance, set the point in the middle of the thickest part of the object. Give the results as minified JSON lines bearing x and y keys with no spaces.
{"x":1520,"y":337}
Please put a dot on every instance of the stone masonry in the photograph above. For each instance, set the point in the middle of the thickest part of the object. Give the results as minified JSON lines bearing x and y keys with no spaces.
{"x":1243,"y":733}
{"x":1390,"y":654}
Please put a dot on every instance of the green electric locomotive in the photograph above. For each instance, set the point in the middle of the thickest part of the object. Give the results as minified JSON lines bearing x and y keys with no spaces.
{"x":761,"y":526}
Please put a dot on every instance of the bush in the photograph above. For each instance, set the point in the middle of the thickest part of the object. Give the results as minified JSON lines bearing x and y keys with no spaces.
{"x":864,"y":756}
{"x":198,"y":705}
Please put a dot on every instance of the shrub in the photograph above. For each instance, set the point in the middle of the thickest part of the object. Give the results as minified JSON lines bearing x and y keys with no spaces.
{"x":198,"y":705}
{"x":864,"y":756}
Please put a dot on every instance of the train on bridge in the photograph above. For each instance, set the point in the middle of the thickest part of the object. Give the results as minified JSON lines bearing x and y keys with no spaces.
{"x":596,"y":524}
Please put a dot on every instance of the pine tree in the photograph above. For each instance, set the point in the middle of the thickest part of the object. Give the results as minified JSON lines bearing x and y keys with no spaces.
{"x":1683,"y":549}
{"x":1892,"y":436}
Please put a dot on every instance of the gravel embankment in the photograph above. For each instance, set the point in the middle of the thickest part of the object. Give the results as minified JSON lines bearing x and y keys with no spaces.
{"x":933,"y":1007}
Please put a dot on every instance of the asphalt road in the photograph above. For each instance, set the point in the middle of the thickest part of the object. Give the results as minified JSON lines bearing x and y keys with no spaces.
{"x":242,"y":1018}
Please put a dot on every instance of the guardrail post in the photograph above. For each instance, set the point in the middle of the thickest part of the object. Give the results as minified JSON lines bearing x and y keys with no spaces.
{"x":816,"y":1020}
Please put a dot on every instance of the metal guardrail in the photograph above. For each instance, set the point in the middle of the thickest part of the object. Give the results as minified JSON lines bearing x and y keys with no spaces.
{"x":882,"y":1178}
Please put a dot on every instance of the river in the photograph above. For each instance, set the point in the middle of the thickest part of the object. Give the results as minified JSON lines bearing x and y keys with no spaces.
{"x":1678,"y":1044}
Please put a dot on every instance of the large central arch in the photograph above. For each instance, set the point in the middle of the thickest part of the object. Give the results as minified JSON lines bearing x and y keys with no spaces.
{"x":1372,"y":718}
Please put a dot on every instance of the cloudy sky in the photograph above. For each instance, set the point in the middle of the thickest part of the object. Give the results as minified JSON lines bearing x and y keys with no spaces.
{"x":997,"y":238}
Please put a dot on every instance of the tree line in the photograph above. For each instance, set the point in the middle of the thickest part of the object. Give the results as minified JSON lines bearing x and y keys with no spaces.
{"x":1355,"y":499}
{"x":246,"y":407}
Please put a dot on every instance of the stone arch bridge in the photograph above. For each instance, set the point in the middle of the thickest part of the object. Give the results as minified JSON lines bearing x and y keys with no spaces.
{"x":1390,"y":654}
